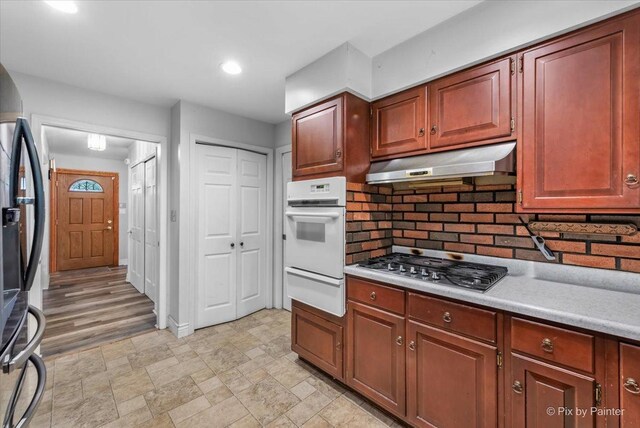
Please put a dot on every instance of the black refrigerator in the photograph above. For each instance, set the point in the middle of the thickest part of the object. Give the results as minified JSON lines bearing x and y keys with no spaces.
{"x":23,"y":214}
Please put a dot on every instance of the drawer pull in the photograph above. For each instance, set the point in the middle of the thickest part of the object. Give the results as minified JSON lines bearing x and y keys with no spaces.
{"x":547,"y":345}
{"x":372,"y":296}
{"x":338,"y":346}
{"x":446,"y":317}
{"x":399,"y":340}
{"x":631,"y":385}
{"x":517,"y":387}
{"x":412,"y":345}
{"x":434,"y":129}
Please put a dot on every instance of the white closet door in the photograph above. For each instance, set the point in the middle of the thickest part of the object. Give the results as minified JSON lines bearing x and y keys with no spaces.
{"x":286,"y":177}
{"x":252,"y":208}
{"x":136,"y":232}
{"x":150,"y":230}
{"x":216,"y":210}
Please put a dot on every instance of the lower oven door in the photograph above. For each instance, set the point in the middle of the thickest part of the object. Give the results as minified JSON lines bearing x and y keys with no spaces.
{"x":315,"y":240}
{"x":321,"y":292}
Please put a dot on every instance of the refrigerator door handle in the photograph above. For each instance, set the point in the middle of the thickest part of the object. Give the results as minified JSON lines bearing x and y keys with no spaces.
{"x":35,"y":401}
{"x":23,"y":132}
{"x":11,"y":364}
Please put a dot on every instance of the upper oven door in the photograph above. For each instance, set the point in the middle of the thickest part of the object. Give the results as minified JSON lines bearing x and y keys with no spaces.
{"x":315,"y":239}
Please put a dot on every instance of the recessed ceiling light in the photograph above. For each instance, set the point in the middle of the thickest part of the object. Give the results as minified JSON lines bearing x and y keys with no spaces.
{"x":231,"y":67}
{"x":63,"y":6}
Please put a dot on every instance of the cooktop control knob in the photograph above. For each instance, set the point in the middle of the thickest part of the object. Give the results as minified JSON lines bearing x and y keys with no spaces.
{"x":435,"y":276}
{"x":412,"y":270}
{"x":424,"y":272}
{"x":402,"y":268}
{"x":390,"y":267}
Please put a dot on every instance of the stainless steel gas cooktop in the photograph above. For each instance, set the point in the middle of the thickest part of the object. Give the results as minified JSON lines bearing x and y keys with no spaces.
{"x":475,"y":276}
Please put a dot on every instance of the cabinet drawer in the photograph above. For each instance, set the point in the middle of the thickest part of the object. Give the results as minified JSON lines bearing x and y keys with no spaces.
{"x":470,"y":321}
{"x":375,"y":295}
{"x":559,"y":345}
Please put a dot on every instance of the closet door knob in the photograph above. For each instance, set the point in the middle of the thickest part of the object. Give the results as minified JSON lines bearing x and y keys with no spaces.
{"x":233,"y":245}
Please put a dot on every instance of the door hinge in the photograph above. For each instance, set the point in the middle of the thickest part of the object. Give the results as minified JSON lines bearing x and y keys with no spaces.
{"x":370,"y":111}
{"x":499,"y":359}
{"x":513,"y":66}
{"x":521,"y":64}
{"x":598,"y":395}
{"x":520,"y":197}
{"x":513,"y":125}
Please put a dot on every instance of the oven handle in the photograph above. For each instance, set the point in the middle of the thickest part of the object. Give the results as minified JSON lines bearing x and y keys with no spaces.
{"x":312,"y":217}
{"x":314,"y":276}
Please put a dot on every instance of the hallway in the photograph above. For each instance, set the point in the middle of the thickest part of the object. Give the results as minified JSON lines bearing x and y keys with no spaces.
{"x":90,"y":307}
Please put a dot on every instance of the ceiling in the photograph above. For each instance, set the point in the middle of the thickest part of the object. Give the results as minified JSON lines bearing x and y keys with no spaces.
{"x":162,"y":51}
{"x":63,"y":141}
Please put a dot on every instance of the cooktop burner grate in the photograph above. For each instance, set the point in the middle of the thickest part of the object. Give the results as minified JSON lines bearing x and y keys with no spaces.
{"x":475,"y":276}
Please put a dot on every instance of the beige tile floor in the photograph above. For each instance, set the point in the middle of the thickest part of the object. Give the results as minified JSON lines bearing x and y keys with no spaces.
{"x":240,"y":374}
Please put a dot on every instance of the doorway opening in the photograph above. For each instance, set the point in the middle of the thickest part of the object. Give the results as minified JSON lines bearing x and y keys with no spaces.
{"x":104,"y":239}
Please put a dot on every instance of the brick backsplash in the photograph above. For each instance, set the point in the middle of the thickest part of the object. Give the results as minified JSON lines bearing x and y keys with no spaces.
{"x":477,"y":220}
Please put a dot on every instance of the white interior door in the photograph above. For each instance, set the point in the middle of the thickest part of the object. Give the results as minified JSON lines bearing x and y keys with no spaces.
{"x":286,"y":177}
{"x":136,"y":231}
{"x":150,"y":230}
{"x":252,"y":206}
{"x":217,"y":215}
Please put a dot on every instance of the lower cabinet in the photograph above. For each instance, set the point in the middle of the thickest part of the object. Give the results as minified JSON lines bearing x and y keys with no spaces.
{"x":547,"y":396}
{"x":630,"y":385}
{"x":318,"y":338}
{"x":375,"y":355}
{"x":451,"y":380}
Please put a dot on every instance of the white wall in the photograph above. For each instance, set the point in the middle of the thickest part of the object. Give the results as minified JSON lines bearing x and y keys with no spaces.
{"x":283,"y":134}
{"x":195,"y":120}
{"x":479,"y":33}
{"x":107,"y":165}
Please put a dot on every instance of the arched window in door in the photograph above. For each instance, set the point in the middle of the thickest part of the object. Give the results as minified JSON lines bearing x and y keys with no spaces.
{"x":85,"y":185}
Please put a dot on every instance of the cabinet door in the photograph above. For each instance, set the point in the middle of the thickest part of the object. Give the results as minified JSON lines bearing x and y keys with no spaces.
{"x":579,"y":148}
{"x":317,"y":139}
{"x":451,"y":380}
{"x":630,"y":385}
{"x":317,"y":340}
{"x":398,"y":124}
{"x":542,"y":396}
{"x":375,"y":356}
{"x":471,"y":106}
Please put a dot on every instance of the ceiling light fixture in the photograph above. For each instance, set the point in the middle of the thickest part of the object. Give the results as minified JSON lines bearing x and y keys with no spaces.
{"x":97,"y":142}
{"x":63,"y":6}
{"x":231,"y":67}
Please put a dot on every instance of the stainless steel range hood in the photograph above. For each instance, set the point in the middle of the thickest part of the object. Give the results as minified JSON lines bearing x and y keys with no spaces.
{"x":455,"y":167}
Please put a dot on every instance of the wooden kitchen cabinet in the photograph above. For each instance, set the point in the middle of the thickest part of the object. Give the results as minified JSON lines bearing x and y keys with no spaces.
{"x":473,"y":107}
{"x":331,"y":139}
{"x":579,"y":147}
{"x":317,"y":337}
{"x":539,"y":391}
{"x":376,"y":355}
{"x":630,"y":385}
{"x":398,"y":124}
{"x":451,"y":380}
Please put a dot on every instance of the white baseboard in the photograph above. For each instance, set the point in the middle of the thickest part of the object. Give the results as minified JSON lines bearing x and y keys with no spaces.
{"x":124,"y":262}
{"x":179,"y":330}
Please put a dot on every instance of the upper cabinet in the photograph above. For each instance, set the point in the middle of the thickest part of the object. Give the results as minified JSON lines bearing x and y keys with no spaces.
{"x":398,"y":124}
{"x":331,"y":139}
{"x":579,"y":147}
{"x":472,"y":107}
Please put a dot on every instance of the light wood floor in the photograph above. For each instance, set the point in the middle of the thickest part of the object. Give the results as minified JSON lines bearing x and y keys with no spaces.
{"x":90,"y":307}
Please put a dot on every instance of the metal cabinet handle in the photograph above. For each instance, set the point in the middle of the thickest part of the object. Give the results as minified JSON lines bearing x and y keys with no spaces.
{"x":233,"y":245}
{"x":338,"y":346}
{"x":108,"y":228}
{"x":338,"y":153}
{"x":372,"y":296}
{"x":631,"y":181}
{"x":241,"y":244}
{"x":399,"y":340}
{"x":517,"y":387}
{"x":421,"y":132}
{"x":446,"y":317}
{"x":547,"y":345}
{"x":434,"y":129}
{"x":412,"y":345}
{"x":631,"y":386}
{"x":10,"y":364}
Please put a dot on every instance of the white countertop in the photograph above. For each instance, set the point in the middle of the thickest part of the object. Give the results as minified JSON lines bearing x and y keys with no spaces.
{"x":594,"y":299}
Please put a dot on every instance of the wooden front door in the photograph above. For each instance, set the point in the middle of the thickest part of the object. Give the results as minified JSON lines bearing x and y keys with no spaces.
{"x":85,"y":219}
